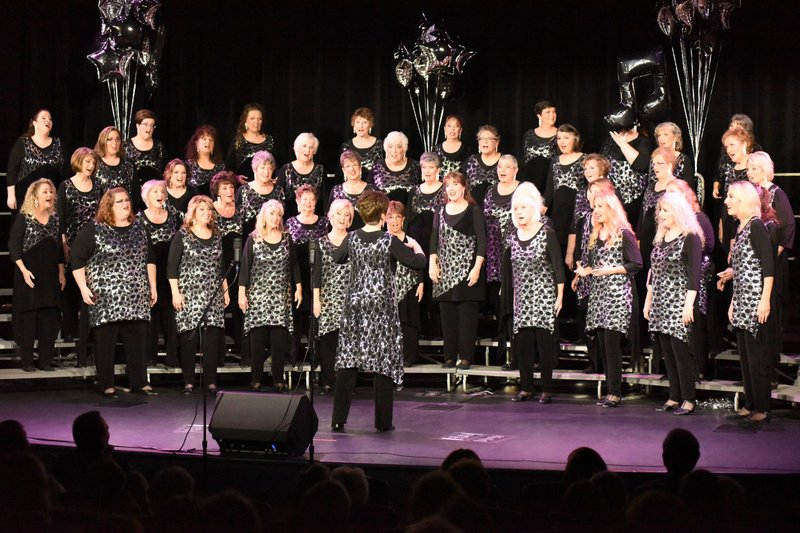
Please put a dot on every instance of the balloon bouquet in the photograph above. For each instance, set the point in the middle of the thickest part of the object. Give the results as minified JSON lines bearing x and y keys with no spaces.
{"x":695,"y":31}
{"x":654,"y":106}
{"x":130,"y":39}
{"x":428,"y":73}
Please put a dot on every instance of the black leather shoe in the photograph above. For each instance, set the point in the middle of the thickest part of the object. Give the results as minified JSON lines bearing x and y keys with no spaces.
{"x":667,"y":407}
{"x":463,"y":365}
{"x":757,"y":418}
{"x":111,"y":395}
{"x":385,"y":429}
{"x":212,"y":390}
{"x":610,"y":403}
{"x":337,"y":427}
{"x":521,"y":397}
{"x":449,"y":364}
{"x":545,"y":398}
{"x":509,"y":367}
{"x":147,"y":392}
{"x":256,"y":386}
{"x":683,"y":411}
{"x":325,"y":390}
{"x":280,"y":387}
{"x":47,"y":368}
{"x":29,"y":368}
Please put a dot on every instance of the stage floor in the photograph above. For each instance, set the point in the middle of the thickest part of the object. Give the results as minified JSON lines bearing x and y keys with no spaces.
{"x":431,"y":423}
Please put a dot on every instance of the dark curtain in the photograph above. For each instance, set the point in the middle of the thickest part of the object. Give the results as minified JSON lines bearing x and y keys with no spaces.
{"x":312,"y":63}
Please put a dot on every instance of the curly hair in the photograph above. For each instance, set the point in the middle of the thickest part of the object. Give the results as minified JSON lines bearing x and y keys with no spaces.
{"x":222,"y":177}
{"x":206,"y":130}
{"x":105,"y":211}
{"x":29,"y":203}
{"x":684,"y":216}
{"x":191,"y":212}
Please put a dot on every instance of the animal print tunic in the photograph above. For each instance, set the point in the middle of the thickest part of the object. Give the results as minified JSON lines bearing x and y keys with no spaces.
{"x":200,"y":178}
{"x":369,"y":156}
{"x":497,"y":213}
{"x":747,"y":281}
{"x":269,"y":284}
{"x":333,"y":287}
{"x":199,"y":274}
{"x":534,"y":283}
{"x":628,"y":183}
{"x":107,"y":176}
{"x":669,"y":279}
{"x":116,"y":273}
{"x":456,"y":255}
{"x":76,"y":208}
{"x":611,"y":296}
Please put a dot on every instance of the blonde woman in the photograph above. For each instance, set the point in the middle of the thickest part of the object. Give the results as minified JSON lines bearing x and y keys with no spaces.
{"x":669,"y":136}
{"x":34,"y":246}
{"x":194,"y":269}
{"x":534,"y":273}
{"x":269,"y":282}
{"x":612,"y":259}
{"x":671,"y":304}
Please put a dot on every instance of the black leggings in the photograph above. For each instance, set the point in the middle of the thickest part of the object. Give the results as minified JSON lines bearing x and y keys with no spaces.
{"x":611,"y":353}
{"x":535,"y":345}
{"x":279,"y":347}
{"x":459,"y":327}
{"x":384,"y":397}
{"x":41,"y":324}
{"x":680,"y":368}
{"x":189,"y":343}
{"x":133,"y":334}
{"x":756,"y":360}
{"x":327,"y":357}
{"x":162,"y":320}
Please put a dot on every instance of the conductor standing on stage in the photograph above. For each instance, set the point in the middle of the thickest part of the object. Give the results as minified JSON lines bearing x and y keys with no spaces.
{"x":369,"y":337}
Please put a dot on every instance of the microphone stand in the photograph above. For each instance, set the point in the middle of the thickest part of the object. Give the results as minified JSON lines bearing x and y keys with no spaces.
{"x":312,"y":338}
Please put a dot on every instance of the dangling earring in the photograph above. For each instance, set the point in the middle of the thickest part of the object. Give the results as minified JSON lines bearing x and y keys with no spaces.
{"x":35,"y":203}
{"x":370,"y":131}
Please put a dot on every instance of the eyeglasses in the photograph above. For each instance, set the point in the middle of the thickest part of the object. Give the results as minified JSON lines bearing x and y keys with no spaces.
{"x":489,"y":139}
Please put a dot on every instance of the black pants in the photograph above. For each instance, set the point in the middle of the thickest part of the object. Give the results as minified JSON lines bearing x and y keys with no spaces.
{"x":133,"y":334}
{"x":384,"y":397}
{"x":327,"y":357}
{"x":698,"y":346}
{"x":535,"y":345}
{"x":756,"y":360}
{"x":41,"y":324}
{"x":189,"y":343}
{"x":611,"y":353}
{"x":278,"y":337}
{"x":162,"y":320}
{"x":75,"y":319}
{"x":410,"y":343}
{"x":301,"y":320}
{"x":680,"y":368}
{"x":459,"y":327}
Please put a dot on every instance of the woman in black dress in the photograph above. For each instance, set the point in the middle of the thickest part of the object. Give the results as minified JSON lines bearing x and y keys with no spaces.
{"x":539,"y":145}
{"x":194,"y":270}
{"x":668,"y":135}
{"x":161,"y":222}
{"x":452,"y":152}
{"x":178,"y":192}
{"x":204,"y":157}
{"x":397,"y":174}
{"x":533,"y":275}
{"x":269,"y":284}
{"x":249,"y":139}
{"x":752,"y":258}
{"x":114,"y":267}
{"x":564,"y":180}
{"x":34,"y":246}
{"x":253,"y":194}
{"x":35,"y":155}
{"x":353,"y":185}
{"x":612,"y":259}
{"x":330,"y":285}
{"x":481,"y":169}
{"x":671,"y":305}
{"x":144,"y":152}
{"x":371,"y":298}
{"x":302,"y":171}
{"x":304,"y":228}
{"x":458,"y":250}
{"x":113,"y":168}
{"x":368,"y":147}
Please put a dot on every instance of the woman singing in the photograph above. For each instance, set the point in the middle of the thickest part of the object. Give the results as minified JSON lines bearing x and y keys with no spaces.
{"x":34,"y":245}
{"x":114,"y":267}
{"x":35,"y":155}
{"x":330,"y":285}
{"x":668,"y":136}
{"x":752,"y":258}
{"x":738,"y":145}
{"x":371,"y":299}
{"x":161,"y":223}
{"x":144,"y":152}
{"x":539,"y":145}
{"x":458,"y":250}
{"x":481,"y":168}
{"x":564,"y":180}
{"x":253,"y":194}
{"x":249,"y":139}
{"x":194,"y":270}
{"x":302,"y":171}
{"x":671,"y":302}
{"x":204,"y":157}
{"x":269,"y":281}
{"x":113,"y":168}
{"x":398,"y":174}
{"x":612,"y":259}
{"x":534,"y":273}
{"x":353,"y":185}
{"x":178,"y":193}
{"x":368,"y":147}
{"x":452,"y":152}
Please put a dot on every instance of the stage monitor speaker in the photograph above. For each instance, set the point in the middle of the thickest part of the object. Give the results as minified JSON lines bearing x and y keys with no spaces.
{"x":263,"y":423}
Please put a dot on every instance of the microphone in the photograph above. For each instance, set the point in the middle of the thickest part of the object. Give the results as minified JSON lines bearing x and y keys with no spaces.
{"x":312,"y":251}
{"x":237,"y":250}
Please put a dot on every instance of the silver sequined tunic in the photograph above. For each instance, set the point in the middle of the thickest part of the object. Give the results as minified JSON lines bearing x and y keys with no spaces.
{"x":390,"y":181}
{"x":249,"y":202}
{"x":480,"y":174}
{"x":497,"y":213}
{"x":610,"y":297}
{"x":36,"y":159}
{"x":199,"y":273}
{"x":747,"y":281}
{"x":36,"y":232}
{"x":107,"y":176}
{"x":534,"y":283}
{"x":76,"y":208}
{"x":535,"y":146}
{"x":152,"y":158}
{"x":628,"y":183}
{"x":583,"y":219}
{"x":269,"y":293}
{"x":335,"y":278}
{"x":369,"y":156}
{"x":456,"y":256}
{"x":669,"y":281}
{"x":116,"y":273}
{"x":365,"y":343}
{"x":200,"y":178}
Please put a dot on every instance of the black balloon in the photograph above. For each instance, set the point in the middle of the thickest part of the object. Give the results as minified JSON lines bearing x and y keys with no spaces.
{"x":666,"y":22}
{"x":685,"y":13}
{"x":114,"y":9}
{"x":152,"y":79}
{"x":111,"y":63}
{"x":128,"y":32}
{"x":620,"y":117}
{"x":145,"y":11}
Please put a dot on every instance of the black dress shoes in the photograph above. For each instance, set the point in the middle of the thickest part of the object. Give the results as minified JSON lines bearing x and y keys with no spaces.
{"x":337,"y":427}
{"x":385,"y":429}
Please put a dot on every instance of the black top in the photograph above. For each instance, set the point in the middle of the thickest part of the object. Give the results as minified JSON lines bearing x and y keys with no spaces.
{"x":785,"y":215}
{"x":241,"y":151}
{"x":470,"y":223}
{"x":28,"y":161}
{"x":536,"y":155}
{"x":369,"y":156}
{"x":181,"y":204}
{"x":289,"y":179}
{"x":452,"y":161}
{"x":75,"y":208}
{"x":708,"y":233}
{"x":39,"y":247}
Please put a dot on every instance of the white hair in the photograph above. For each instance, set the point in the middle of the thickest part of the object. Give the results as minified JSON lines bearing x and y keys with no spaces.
{"x":396,"y":137}
{"x":306,"y":136}
{"x":528,"y":194}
